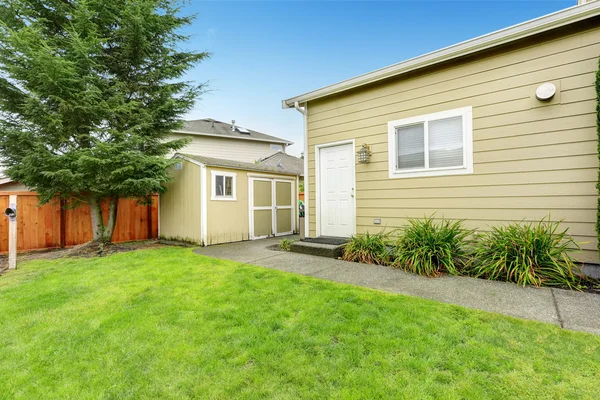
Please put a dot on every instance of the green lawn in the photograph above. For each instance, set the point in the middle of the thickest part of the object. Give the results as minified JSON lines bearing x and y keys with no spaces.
{"x":167,"y":323}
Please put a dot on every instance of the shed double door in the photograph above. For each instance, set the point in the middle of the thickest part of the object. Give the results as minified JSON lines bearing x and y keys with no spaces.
{"x":272,"y":208}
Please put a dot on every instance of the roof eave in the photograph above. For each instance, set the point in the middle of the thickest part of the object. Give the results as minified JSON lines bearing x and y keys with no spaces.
{"x":184,"y":157}
{"x":274,"y":140}
{"x":520,"y":31}
{"x":248,"y":167}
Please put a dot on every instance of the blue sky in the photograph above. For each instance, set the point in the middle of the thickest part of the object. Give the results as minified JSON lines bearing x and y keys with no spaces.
{"x":264,"y":52}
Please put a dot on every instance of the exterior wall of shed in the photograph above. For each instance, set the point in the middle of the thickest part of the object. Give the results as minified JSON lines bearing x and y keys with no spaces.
{"x":180,"y":205}
{"x":230,"y":149}
{"x":228,"y":221}
{"x":531,"y":160}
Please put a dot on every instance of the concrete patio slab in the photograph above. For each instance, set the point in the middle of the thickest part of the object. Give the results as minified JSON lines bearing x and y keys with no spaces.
{"x":578,"y":311}
{"x":500,"y":297}
{"x":245,"y":252}
{"x":568,"y":309}
{"x":296,"y":263}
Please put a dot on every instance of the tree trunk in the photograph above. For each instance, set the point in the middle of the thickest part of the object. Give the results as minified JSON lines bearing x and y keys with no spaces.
{"x":97,"y":221}
{"x":103,"y":233}
{"x":109,"y":229}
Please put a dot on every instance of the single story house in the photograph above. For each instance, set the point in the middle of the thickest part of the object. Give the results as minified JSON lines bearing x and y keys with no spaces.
{"x":212,"y":200}
{"x":212,"y":138}
{"x":492,"y":130}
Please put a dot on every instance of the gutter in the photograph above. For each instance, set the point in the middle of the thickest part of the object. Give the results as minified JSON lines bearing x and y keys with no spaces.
{"x":503,"y":36}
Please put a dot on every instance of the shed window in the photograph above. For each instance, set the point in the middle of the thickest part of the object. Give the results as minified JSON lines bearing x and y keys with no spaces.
{"x":223,"y":185}
{"x":431,"y":145}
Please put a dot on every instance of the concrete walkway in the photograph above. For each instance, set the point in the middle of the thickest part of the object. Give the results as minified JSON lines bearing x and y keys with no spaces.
{"x":567,"y":309}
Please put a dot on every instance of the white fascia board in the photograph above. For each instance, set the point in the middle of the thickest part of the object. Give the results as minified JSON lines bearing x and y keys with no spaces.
{"x":286,"y":142}
{"x":516,"y":32}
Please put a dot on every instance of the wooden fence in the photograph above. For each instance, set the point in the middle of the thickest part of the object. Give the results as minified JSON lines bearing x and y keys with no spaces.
{"x":52,"y":226}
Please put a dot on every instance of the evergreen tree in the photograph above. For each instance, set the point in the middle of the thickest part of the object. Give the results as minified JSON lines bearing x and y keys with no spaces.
{"x":89,"y":91}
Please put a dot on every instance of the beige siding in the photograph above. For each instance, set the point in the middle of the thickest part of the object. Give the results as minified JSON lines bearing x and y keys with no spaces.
{"x":180,"y":205}
{"x":228,"y":220}
{"x":531,"y":159}
{"x":230,"y":149}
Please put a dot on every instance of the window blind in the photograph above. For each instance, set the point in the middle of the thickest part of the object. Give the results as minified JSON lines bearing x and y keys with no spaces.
{"x":445,"y":143}
{"x":410,"y":142}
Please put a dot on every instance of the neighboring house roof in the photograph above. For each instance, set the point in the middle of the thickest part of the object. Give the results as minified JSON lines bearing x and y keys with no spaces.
{"x":284,"y":161}
{"x":4,"y":180}
{"x":211,"y":127}
{"x":516,"y":32}
{"x":218,"y":162}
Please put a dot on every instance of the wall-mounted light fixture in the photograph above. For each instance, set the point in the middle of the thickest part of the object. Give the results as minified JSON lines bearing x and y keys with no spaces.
{"x":545,"y":92}
{"x":364,"y":154}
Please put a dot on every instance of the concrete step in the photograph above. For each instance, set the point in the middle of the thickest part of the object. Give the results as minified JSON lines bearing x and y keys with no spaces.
{"x":317,"y":249}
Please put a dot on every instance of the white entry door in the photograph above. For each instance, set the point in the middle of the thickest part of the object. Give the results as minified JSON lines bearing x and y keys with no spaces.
{"x":336,"y":190}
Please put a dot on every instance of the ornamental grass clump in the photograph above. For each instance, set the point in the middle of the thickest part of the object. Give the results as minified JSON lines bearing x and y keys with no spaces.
{"x":370,"y":248}
{"x":429,"y":248}
{"x":527,"y":254}
{"x":285,"y":244}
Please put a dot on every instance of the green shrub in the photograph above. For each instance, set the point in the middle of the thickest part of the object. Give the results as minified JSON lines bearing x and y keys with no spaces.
{"x":527,"y":254}
{"x":285,"y":244}
{"x":429,"y":248}
{"x":367,"y":248}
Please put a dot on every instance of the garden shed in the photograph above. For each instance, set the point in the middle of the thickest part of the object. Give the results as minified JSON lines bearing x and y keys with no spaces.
{"x":212,"y":200}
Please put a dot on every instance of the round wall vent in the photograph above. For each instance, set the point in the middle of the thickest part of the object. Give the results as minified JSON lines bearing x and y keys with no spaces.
{"x":545,"y":91}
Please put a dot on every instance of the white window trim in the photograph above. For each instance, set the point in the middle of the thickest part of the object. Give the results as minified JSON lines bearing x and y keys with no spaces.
{"x":213,"y":176}
{"x":467,"y":168}
{"x":278,"y":147}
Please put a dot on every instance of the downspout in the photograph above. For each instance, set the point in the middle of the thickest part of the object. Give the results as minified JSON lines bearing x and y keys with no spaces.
{"x":304,"y":112}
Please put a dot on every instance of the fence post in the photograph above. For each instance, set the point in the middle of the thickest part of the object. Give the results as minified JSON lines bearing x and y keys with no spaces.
{"x":12,"y":234}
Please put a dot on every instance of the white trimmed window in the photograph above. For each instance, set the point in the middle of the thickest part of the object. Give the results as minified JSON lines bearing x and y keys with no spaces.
{"x":431,"y":145}
{"x":276,"y":147}
{"x":223,"y":185}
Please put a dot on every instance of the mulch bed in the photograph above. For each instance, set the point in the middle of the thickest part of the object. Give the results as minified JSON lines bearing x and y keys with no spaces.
{"x":275,"y":247}
{"x":83,"y":250}
{"x":591,"y":286}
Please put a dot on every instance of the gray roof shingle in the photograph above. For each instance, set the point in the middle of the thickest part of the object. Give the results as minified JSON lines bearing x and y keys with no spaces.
{"x":218,"y":162}
{"x":213,"y":127}
{"x":282,"y":160}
